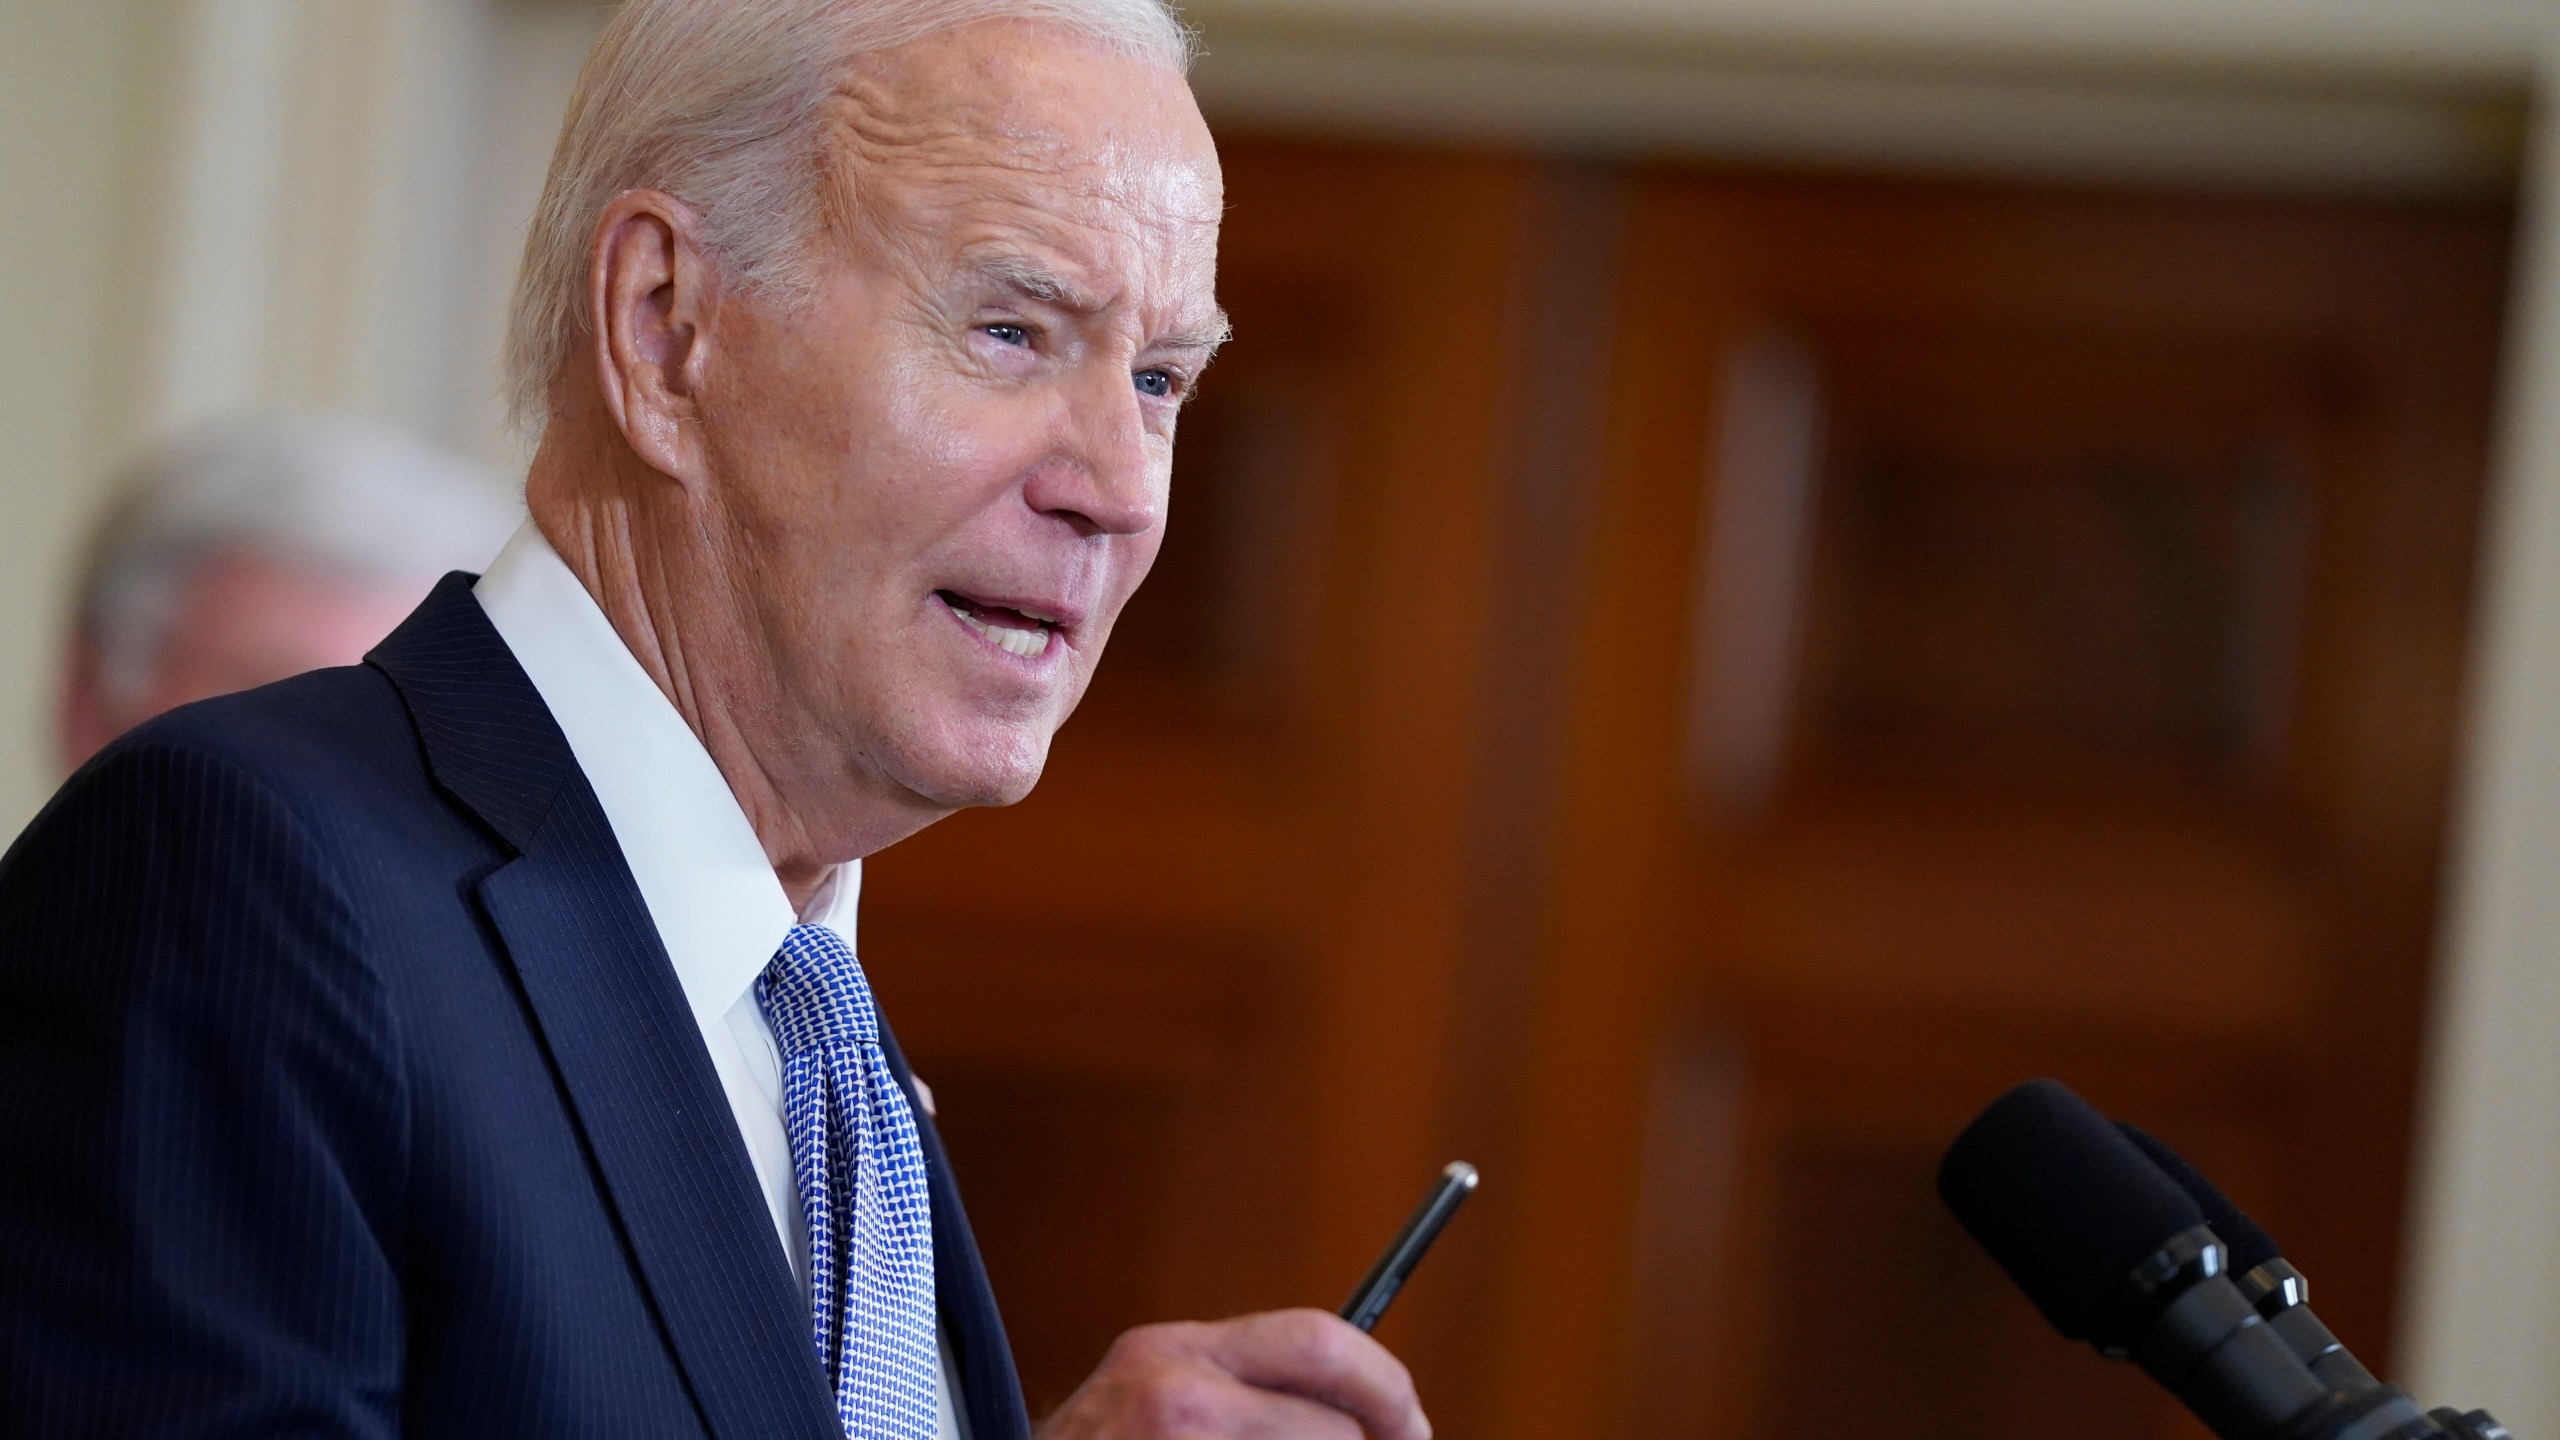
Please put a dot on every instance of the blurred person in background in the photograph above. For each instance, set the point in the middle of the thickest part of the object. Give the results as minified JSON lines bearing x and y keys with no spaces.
{"x":245,"y":550}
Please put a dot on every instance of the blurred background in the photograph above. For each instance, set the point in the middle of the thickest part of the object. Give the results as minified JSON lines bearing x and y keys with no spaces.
{"x":1757,"y":570}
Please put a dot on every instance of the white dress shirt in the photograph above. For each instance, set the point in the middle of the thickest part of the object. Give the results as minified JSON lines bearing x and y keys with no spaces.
{"x":720,"y":910}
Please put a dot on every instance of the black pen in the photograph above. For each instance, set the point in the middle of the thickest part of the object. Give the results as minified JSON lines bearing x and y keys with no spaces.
{"x":1385,"y":1278}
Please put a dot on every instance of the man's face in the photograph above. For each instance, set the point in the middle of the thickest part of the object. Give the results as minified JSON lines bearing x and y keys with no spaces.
{"x":947,"y":471}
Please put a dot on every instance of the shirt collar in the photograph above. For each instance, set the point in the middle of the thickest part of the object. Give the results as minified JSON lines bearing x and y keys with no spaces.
{"x":720,"y":911}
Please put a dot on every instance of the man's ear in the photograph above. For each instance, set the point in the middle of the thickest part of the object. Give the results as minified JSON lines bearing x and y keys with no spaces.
{"x":652,"y":300}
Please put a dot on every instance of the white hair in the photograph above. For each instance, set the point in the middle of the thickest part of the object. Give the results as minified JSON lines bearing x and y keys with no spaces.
{"x":351,"y":496}
{"x":717,"y":103}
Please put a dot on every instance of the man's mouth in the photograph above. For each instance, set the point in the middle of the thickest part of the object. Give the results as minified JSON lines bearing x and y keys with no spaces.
{"x":1016,"y":632}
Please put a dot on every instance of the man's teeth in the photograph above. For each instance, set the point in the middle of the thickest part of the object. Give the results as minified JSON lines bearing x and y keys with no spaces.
{"x":1029,"y":644}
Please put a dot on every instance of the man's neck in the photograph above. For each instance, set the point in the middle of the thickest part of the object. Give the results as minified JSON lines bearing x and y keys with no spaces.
{"x":666,"y":608}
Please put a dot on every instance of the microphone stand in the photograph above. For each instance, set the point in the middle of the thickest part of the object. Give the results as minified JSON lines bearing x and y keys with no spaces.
{"x":2248,"y":1356}
{"x":2359,"y":1407}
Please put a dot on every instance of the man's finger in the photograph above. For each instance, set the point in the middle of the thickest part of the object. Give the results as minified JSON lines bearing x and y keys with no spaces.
{"x":1321,"y":1357}
{"x":1261,"y":1414}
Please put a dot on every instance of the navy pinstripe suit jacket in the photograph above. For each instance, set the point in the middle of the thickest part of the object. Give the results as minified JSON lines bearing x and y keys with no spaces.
{"x":345,"y":1090}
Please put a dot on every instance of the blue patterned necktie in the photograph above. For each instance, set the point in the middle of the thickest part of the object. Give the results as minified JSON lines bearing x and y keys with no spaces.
{"x":862,"y":1184}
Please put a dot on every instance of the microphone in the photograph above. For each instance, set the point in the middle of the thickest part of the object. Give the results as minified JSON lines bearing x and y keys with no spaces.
{"x":2115,"y":1253}
{"x":2121,"y":1243}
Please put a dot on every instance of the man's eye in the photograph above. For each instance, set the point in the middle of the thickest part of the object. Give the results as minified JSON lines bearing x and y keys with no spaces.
{"x":1009,"y":334}
{"x":1158,"y":383}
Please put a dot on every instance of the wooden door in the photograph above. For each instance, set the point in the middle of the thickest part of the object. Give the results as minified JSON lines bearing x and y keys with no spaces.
{"x":1185,"y":1010}
{"x":2023,"y":635}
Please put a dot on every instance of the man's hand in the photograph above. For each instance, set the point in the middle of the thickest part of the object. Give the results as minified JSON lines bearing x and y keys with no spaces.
{"x":1284,"y":1375}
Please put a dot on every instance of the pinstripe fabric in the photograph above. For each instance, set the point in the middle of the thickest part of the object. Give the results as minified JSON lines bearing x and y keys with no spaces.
{"x":345,"y":1091}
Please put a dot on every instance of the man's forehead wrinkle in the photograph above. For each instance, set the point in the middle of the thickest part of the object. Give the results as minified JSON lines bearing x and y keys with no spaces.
{"x":1037,"y":239}
{"x":945,"y":171}
{"x":867,"y":146}
{"x":965,"y":167}
{"x":957,"y":125}
{"x":879,"y":133}
{"x":883,"y":112}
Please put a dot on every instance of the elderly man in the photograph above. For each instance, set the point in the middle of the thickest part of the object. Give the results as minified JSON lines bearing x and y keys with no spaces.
{"x":472,"y":1043}
{"x":248,"y":549}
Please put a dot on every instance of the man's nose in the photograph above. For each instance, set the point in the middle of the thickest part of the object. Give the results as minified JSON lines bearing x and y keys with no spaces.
{"x":1112,"y":479}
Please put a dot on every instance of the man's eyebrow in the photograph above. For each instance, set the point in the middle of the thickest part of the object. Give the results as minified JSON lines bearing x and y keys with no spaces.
{"x":1032,"y":281}
{"x":1208,"y":336}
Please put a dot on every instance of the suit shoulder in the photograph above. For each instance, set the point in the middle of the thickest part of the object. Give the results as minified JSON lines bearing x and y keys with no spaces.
{"x":285,"y":725}
{"x":321,"y":743}
{"x":299,"y":760}
{"x":187,"y":789}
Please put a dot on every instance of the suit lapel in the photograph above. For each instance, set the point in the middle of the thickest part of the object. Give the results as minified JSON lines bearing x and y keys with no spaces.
{"x":989,"y":1384}
{"x":657,"y":1125}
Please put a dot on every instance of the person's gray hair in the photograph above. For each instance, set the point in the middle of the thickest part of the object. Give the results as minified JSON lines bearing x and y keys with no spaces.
{"x":350,"y":496}
{"x":718,"y":104}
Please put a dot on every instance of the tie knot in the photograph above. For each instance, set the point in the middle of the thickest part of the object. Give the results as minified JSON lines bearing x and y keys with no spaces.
{"x":814,"y":994}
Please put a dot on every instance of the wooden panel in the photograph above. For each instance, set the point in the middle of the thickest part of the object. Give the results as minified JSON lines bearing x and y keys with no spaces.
{"x":2069,"y":691}
{"x":1794,"y":1268}
{"x":2029,"y":546}
{"x":1881,"y":1286}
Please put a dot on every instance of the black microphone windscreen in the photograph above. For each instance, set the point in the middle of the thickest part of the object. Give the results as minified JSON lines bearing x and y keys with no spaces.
{"x":2062,"y":1200}
{"x":2249,"y":1247}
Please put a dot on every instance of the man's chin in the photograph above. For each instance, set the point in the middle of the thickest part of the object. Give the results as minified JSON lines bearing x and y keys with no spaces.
{"x":996,"y":774}
{"x":994,"y":794}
